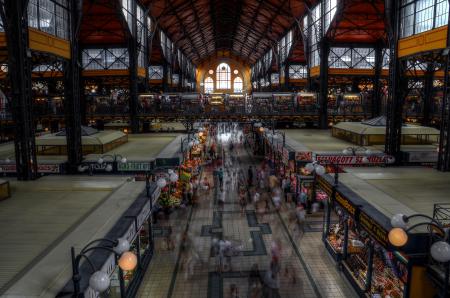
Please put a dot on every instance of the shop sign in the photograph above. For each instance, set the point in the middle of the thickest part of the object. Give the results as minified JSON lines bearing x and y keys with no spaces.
{"x":423,"y":157}
{"x":303,"y":156}
{"x":351,"y":160}
{"x":373,"y":228}
{"x":42,"y":168}
{"x":324,"y":185}
{"x":167,"y":162}
{"x":346,"y":204}
{"x":134,"y":166}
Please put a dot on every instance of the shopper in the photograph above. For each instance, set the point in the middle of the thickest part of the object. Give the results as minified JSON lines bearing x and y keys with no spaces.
{"x":220,"y":176}
{"x":301,"y":217}
{"x":286,"y":185}
{"x":250,"y":176}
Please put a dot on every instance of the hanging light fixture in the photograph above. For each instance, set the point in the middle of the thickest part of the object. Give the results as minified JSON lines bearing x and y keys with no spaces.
{"x":99,"y":281}
{"x":127,"y":261}
{"x":398,"y":237}
{"x":161,"y":182}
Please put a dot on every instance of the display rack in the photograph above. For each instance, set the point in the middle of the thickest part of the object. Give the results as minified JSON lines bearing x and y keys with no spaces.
{"x":306,"y":101}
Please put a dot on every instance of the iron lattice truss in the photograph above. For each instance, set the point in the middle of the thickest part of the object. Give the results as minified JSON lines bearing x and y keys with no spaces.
{"x":245,"y":28}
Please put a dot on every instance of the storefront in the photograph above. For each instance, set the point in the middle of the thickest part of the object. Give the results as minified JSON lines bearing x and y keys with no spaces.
{"x":356,"y":235}
{"x":135,"y":225}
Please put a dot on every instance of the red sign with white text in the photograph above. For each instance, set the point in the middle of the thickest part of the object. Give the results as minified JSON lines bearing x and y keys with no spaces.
{"x":351,"y":160}
{"x":42,"y":168}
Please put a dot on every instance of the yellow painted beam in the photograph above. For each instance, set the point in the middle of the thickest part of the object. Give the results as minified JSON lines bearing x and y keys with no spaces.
{"x":431,"y":40}
{"x":3,"y":40}
{"x":141,"y":72}
{"x":44,"y":42}
{"x":314,"y":71}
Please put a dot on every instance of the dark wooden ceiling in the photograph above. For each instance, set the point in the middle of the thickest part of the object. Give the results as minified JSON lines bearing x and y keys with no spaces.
{"x":246,"y":28}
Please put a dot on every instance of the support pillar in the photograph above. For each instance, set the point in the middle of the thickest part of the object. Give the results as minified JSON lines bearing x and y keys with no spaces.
{"x":323,"y":89}
{"x":444,"y":140}
{"x":146,"y":55}
{"x":165,"y":77}
{"x":133,"y":77}
{"x":376,"y":96}
{"x":15,"y":20}
{"x":286,"y":76}
{"x":397,"y":84}
{"x":427,"y":99}
{"x":72,"y":93}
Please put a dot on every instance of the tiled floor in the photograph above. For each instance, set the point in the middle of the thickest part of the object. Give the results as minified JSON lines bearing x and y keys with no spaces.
{"x":306,"y":268}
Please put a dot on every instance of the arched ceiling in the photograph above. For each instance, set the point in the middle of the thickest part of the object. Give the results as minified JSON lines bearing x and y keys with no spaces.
{"x":246,"y":28}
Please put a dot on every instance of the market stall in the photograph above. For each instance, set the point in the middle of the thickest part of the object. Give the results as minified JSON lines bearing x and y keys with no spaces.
{"x":307,"y":102}
{"x":283,"y":102}
{"x":149,"y":102}
{"x":191,"y":102}
{"x":372,"y":132}
{"x":170,"y":102}
{"x":356,"y":235}
{"x":352,"y":100}
{"x":262,"y":102}
{"x":216,"y":103}
{"x":92,"y":142}
{"x":236,"y":103}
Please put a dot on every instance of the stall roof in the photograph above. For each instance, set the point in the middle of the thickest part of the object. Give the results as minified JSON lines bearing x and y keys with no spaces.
{"x":99,"y":138}
{"x":406,"y":190}
{"x":365,"y":129}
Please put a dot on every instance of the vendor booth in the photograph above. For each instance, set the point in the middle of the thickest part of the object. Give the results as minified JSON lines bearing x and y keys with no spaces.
{"x":92,"y":141}
{"x":372,"y":132}
{"x":356,"y":235}
{"x":307,"y":102}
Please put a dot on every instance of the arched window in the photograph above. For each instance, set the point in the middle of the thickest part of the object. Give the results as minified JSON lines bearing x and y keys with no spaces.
{"x":223,"y":76}
{"x":209,"y":85}
{"x":238,"y":85}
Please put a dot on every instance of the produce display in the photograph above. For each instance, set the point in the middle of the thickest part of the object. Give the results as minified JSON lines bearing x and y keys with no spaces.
{"x":283,"y":102}
{"x":389,"y":275}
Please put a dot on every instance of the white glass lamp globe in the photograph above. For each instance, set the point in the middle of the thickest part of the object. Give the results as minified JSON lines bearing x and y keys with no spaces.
{"x":127,"y":261}
{"x":346,"y":151}
{"x":398,"y":237}
{"x":81,"y":168}
{"x":100,"y":160}
{"x":398,"y":221}
{"x":173,"y":177}
{"x":161,"y":182}
{"x":122,"y":246}
{"x":99,"y":281}
{"x":390,"y":159}
{"x":320,"y":170}
{"x":109,"y":168}
{"x":123,"y":160}
{"x":309,"y":167}
{"x":440,"y":251}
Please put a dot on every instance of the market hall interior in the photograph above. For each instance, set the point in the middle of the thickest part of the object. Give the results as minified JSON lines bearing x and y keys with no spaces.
{"x":239,"y":148}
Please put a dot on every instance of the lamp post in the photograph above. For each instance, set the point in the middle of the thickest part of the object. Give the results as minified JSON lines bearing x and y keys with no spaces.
{"x":99,"y":280}
{"x":115,"y":158}
{"x":439,"y":250}
{"x":101,"y":162}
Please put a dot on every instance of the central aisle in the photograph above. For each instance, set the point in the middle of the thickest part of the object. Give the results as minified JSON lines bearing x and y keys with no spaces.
{"x":193,"y":270}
